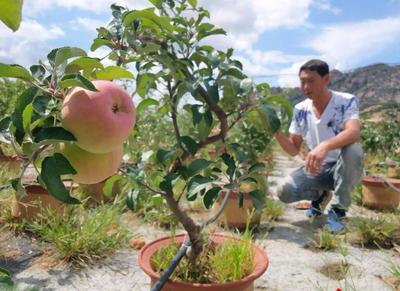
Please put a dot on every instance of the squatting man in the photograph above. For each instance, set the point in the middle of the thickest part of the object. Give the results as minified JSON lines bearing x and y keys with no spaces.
{"x":328,"y":122}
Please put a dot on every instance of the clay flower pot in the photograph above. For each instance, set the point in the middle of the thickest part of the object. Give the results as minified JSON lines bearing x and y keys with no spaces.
{"x":246,"y":284}
{"x":96,"y":194}
{"x":393,"y":172}
{"x":378,"y":194}
{"x":235,"y":216}
{"x":12,"y":164}
{"x":37,"y":198}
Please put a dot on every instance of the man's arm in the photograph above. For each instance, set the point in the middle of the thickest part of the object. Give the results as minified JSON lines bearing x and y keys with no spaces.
{"x":350,"y":134}
{"x":290,"y":144}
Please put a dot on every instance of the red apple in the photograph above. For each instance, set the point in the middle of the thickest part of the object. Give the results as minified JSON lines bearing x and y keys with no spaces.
{"x":101,"y":120}
{"x":91,"y":168}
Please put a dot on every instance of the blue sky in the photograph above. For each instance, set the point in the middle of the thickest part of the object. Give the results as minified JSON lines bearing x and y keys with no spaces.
{"x":272,"y":38}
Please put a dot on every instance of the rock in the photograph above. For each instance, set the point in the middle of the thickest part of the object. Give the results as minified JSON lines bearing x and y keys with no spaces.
{"x":137,"y":243}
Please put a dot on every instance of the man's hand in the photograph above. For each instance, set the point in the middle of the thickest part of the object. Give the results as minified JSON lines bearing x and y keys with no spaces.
{"x":315,"y":159}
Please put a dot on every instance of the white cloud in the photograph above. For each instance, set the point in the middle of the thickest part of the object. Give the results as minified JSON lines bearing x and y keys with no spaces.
{"x":245,"y":21}
{"x":28,"y":43}
{"x":40,"y":7}
{"x":89,"y":24}
{"x":346,"y":45}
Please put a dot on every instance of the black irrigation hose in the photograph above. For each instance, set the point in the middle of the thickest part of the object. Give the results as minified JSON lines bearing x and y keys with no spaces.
{"x":186,"y":244}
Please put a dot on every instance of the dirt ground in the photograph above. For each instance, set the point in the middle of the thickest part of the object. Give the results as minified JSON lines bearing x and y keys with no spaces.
{"x":294,"y":265}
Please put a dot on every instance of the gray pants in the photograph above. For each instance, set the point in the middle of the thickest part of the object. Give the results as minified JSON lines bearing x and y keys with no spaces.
{"x":341,"y":176}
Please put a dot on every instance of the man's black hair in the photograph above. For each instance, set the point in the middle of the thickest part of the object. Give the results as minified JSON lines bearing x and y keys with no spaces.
{"x":318,"y":66}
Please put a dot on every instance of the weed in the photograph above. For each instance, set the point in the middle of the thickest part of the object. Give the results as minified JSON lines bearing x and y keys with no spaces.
{"x":273,"y":210}
{"x":382,"y":232}
{"x":325,"y":240}
{"x":82,"y":234}
{"x":356,"y":196}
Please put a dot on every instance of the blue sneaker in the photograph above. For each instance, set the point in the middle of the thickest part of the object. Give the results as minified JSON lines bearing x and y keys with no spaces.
{"x":335,"y":222}
{"x":317,"y":207}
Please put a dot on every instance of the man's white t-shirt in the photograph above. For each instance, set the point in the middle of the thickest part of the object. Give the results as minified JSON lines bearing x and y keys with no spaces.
{"x":341,"y":107}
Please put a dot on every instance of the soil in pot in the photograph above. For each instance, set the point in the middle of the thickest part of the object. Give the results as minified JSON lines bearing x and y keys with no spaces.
{"x":380,"y":193}
{"x":260,"y":264}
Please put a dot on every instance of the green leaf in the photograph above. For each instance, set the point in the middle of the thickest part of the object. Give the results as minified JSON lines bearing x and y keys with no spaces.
{"x":27,"y":116}
{"x":98,"y":42}
{"x":258,"y":198}
{"x":63,"y":165}
{"x":210,"y":197}
{"x":146,"y":103}
{"x":40,"y":104}
{"x":285,"y":103}
{"x":156,"y":3}
{"x":196,"y":185}
{"x":204,"y":129}
{"x":264,"y":118}
{"x":230,"y":162}
{"x":193,"y":3}
{"x":163,"y":155}
{"x":113,"y":72}
{"x":76,"y":80}
{"x":108,"y":187}
{"x":257,"y":167}
{"x":5,"y":124}
{"x":143,"y":83}
{"x":148,"y":18}
{"x":131,"y":199}
{"x":198,"y":165}
{"x":196,"y":115}
{"x":166,"y":183}
{"x":53,"y":133}
{"x":189,"y":144}
{"x":11,"y":13}
{"x":15,"y":71}
{"x":52,"y":181}
{"x":85,"y":64}
{"x":38,"y":71}
{"x":65,"y":53}
{"x":23,"y":100}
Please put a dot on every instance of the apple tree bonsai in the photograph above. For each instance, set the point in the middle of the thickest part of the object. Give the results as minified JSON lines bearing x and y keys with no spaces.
{"x":180,"y":73}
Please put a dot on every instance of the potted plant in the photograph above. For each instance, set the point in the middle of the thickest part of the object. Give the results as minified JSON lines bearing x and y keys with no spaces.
{"x":180,"y":75}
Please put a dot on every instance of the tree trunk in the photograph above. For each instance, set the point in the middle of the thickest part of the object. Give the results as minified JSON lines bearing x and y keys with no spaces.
{"x":188,"y":223}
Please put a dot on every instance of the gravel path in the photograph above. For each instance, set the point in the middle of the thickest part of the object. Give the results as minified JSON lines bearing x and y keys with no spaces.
{"x":293,"y":264}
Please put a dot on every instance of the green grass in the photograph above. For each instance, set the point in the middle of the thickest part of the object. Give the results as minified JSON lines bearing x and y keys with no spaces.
{"x":83,"y":234}
{"x":325,"y":240}
{"x":273,"y":210}
{"x":382,"y":231}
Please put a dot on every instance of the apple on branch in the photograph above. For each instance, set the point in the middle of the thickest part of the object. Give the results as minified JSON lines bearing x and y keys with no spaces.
{"x":91,"y":168}
{"x":100,"y":121}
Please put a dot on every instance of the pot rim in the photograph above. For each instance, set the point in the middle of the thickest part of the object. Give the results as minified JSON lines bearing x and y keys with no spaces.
{"x":260,"y":256}
{"x":378,"y":181}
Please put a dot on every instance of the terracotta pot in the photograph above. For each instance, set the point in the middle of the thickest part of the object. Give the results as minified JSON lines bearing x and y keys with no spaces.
{"x":378,"y":194}
{"x":96,"y":194}
{"x":393,"y":172}
{"x":235,"y":216}
{"x":36,"y":198}
{"x":245,"y":284}
{"x":13,"y":164}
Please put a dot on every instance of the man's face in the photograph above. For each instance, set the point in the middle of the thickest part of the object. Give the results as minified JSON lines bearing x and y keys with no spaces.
{"x":312,"y":84}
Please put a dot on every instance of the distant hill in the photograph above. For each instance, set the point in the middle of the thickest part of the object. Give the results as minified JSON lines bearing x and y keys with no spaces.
{"x":377,"y":84}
